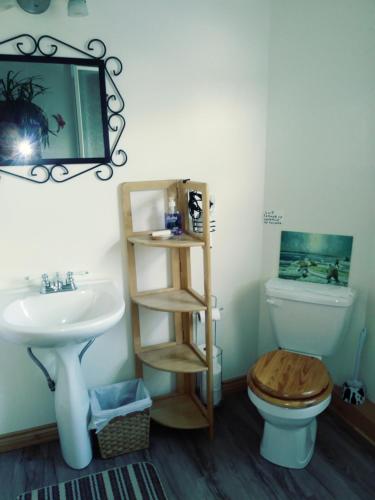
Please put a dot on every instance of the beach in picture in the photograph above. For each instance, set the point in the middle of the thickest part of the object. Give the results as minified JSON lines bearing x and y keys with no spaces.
{"x":316,"y":258}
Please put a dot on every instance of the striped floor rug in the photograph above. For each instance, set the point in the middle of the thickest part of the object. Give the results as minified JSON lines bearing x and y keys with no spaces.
{"x":132,"y":482}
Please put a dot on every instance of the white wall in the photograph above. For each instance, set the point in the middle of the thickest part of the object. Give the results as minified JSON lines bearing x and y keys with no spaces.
{"x":320,"y":153}
{"x":195,"y":85}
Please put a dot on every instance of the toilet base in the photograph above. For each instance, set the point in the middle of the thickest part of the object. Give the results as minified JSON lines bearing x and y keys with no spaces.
{"x":288,"y":447}
{"x":289,"y":434}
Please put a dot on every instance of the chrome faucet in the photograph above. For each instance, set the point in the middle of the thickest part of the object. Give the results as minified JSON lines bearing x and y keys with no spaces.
{"x":57,"y":285}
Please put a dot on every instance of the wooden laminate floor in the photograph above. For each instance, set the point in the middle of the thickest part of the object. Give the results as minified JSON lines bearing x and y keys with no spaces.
{"x":230,"y":467}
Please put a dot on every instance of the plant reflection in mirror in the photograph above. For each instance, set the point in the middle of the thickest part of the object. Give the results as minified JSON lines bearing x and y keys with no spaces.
{"x":24,"y":126}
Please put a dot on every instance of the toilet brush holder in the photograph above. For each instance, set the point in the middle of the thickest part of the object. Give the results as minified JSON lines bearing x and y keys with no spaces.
{"x":353,"y":391}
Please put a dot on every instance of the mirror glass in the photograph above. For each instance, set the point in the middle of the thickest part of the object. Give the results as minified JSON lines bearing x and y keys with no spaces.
{"x":52,"y":111}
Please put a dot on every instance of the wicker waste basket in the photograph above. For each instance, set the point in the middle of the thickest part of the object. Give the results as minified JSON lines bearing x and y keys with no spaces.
{"x":120,"y":415}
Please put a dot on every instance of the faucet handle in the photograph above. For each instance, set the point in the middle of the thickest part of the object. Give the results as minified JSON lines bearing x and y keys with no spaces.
{"x":69,"y":277}
{"x":70,"y":274}
{"x":45,"y":279}
{"x":69,"y":282}
{"x":45,"y":284}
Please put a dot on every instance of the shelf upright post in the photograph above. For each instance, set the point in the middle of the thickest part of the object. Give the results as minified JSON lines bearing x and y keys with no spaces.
{"x":208,"y":298}
{"x":136,"y":333}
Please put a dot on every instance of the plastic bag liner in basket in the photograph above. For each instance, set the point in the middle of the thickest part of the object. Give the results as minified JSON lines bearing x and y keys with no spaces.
{"x":117,"y":400}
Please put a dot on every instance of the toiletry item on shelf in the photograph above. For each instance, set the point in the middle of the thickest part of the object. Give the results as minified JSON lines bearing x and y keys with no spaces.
{"x":163,"y":234}
{"x":196,"y":212}
{"x":173,"y":220}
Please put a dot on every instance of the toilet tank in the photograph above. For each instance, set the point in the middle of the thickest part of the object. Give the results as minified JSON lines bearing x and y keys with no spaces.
{"x":310,"y":318}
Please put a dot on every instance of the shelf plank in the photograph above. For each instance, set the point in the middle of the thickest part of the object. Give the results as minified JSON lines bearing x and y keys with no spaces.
{"x":169,"y":301}
{"x":178,"y":412}
{"x":183,"y":241}
{"x":179,"y":358}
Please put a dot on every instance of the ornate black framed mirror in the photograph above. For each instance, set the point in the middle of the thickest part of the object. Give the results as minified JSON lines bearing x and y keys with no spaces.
{"x":56,"y":112}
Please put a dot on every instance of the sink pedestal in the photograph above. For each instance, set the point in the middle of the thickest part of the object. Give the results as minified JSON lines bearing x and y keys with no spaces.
{"x":64,"y":322}
{"x":72,"y":407}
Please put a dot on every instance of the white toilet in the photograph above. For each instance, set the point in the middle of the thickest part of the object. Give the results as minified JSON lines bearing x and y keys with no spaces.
{"x":291,"y":386}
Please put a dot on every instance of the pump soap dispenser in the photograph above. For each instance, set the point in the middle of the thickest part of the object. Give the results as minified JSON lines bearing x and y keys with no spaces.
{"x":173,"y":220}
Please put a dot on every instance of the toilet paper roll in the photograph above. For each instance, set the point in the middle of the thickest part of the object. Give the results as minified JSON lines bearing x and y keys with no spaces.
{"x":216,"y":372}
{"x":216,"y":352}
{"x":215,"y":315}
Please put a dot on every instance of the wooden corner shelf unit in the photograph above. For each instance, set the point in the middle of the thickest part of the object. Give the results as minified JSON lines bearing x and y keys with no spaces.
{"x":182,"y":409}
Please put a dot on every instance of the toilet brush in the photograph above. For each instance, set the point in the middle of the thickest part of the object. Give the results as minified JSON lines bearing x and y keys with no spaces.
{"x":353,"y":391}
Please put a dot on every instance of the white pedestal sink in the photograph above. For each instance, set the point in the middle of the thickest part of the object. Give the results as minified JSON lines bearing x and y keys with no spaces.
{"x":63,"y":322}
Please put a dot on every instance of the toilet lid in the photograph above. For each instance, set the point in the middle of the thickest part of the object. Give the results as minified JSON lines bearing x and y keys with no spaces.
{"x":288,"y":375}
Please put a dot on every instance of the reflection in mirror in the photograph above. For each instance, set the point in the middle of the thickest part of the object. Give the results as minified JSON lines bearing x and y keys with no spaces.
{"x":52,"y":111}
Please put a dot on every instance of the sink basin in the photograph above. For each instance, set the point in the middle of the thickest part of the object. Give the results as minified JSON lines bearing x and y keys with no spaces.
{"x":62,"y":322}
{"x":57,"y":319}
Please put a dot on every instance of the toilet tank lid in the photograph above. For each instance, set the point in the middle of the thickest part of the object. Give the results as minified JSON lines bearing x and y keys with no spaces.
{"x":310,"y":292}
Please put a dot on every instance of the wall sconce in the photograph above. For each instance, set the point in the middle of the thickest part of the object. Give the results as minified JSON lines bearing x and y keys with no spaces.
{"x":76,"y":8}
{"x":7,"y":4}
{"x":34,"y":6}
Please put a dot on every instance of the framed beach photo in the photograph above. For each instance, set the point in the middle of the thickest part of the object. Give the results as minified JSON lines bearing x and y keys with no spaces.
{"x":316,"y":258}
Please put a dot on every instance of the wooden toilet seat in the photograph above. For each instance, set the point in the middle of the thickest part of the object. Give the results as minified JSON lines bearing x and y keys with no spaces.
{"x":290,"y":380}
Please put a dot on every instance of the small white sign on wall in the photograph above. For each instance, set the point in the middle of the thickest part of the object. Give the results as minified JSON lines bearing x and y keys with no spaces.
{"x":273,"y":217}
